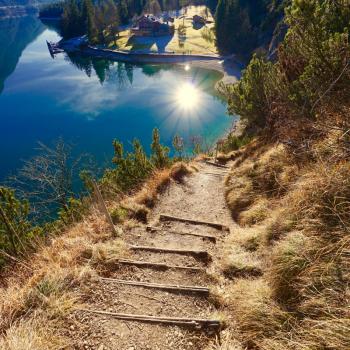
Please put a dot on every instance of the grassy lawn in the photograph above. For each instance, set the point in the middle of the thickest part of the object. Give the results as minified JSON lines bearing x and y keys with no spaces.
{"x":196,"y":41}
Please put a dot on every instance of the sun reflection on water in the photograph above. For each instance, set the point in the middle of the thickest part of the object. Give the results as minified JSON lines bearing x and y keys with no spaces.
{"x":187,"y":97}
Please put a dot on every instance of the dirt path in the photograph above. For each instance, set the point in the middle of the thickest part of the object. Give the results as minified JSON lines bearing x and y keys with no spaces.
{"x":200,"y":197}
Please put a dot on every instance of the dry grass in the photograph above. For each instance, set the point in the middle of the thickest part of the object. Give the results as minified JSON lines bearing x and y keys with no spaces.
{"x":156,"y":185}
{"x":255,"y":214}
{"x":33,"y":334}
{"x":289,"y":259}
{"x":281,"y":223}
{"x":180,"y":170}
{"x":256,"y":315}
{"x":258,"y":174}
{"x":137,"y":207}
{"x":296,"y":219}
{"x":41,"y":295}
{"x":239,"y":257}
{"x":239,"y":195}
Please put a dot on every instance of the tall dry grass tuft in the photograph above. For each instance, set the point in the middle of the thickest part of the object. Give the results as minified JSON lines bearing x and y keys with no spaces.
{"x":257,"y":316}
{"x":32,"y":334}
{"x":258,"y":175}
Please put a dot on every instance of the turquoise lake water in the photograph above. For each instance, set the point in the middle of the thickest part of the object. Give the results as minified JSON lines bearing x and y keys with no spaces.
{"x":91,"y":102}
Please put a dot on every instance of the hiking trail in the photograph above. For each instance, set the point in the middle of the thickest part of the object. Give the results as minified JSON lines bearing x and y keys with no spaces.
{"x":158,"y":296}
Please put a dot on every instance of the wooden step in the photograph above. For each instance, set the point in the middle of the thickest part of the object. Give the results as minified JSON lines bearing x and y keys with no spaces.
{"x":164,"y":217}
{"x":202,"y":254}
{"x":176,"y":288}
{"x":216,"y":164}
{"x":215,"y":174}
{"x":159,"y":266}
{"x":158,"y":229}
{"x":177,"y":321}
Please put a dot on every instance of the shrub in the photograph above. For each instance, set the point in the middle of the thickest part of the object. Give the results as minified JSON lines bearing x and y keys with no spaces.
{"x":234,"y":142}
{"x":16,"y":230}
{"x":133,"y":168}
{"x":249,"y":97}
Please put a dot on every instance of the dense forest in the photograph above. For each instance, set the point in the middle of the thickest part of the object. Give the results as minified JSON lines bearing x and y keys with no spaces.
{"x":240,"y":26}
{"x":244,"y":25}
{"x":100,"y":21}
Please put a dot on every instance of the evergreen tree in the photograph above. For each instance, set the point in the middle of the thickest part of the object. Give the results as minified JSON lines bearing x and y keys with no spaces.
{"x":160,"y":154}
{"x":89,"y":16}
{"x":71,"y":20}
{"x":123,"y":12}
{"x":233,"y":28}
{"x":152,"y":7}
{"x":15,"y":227}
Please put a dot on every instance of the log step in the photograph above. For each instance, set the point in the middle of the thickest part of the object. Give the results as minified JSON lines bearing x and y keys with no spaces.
{"x":208,"y":237}
{"x":177,"y":321}
{"x":164,"y":217}
{"x":179,"y":288}
{"x":215,"y":174}
{"x":159,"y":266}
{"x":217,"y":164}
{"x":202,"y":254}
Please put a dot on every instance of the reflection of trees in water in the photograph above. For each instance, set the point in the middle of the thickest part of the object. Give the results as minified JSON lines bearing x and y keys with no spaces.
{"x":106,"y":71}
{"x":122,"y":74}
{"x":154,"y":69}
{"x":15,"y":35}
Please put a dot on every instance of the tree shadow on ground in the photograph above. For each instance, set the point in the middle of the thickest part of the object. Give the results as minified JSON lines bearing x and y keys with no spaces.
{"x":145,"y":44}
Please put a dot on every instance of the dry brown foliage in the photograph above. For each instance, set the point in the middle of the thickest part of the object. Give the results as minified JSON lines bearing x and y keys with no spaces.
{"x":296,"y":217}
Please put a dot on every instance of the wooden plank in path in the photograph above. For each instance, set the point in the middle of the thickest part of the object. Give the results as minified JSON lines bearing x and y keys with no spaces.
{"x":160,"y":266}
{"x":216,"y":164}
{"x":158,"y":229}
{"x":164,"y":217}
{"x":215,"y":174}
{"x":179,"y":288}
{"x":178,"y":321}
{"x":203,"y":254}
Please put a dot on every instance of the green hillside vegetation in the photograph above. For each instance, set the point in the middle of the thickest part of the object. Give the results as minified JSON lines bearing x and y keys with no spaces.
{"x":244,"y":25}
{"x":20,"y":230}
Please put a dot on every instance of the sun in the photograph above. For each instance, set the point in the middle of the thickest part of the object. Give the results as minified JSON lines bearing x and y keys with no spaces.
{"x":187,"y":96}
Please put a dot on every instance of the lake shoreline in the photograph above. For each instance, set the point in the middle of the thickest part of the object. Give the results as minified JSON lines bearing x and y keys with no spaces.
{"x":228,"y":66}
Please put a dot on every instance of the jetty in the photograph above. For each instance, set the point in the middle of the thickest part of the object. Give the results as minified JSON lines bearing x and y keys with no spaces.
{"x":54,"y":48}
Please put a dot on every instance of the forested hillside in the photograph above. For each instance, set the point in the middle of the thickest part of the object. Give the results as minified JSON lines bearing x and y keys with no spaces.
{"x":245,"y":25}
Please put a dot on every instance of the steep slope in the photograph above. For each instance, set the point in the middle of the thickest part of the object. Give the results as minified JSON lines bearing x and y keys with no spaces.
{"x":147,"y":289}
{"x":184,"y":263}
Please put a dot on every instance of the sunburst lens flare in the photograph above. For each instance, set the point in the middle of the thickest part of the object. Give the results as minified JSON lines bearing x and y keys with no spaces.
{"x":187,"y":97}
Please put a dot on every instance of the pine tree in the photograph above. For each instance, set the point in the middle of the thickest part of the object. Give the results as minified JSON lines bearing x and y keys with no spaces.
{"x":160,"y":154}
{"x":89,"y":13}
{"x":123,"y":12}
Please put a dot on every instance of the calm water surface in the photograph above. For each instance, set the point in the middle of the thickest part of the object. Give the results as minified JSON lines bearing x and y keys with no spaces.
{"x":91,"y":102}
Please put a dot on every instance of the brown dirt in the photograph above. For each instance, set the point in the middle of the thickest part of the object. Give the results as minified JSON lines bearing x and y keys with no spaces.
{"x":200,"y":197}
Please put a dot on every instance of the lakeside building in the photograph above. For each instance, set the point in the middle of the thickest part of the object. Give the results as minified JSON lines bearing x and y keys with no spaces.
{"x":150,"y":25}
{"x":199,"y":20}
